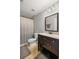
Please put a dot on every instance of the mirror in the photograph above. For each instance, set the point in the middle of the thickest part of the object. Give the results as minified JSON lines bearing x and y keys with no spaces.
{"x":51,"y":23}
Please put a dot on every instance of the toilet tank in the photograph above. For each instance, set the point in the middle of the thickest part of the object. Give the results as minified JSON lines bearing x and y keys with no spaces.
{"x":36,"y":35}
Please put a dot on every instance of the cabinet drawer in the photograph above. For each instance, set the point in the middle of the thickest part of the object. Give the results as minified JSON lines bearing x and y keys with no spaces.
{"x":50,"y":42}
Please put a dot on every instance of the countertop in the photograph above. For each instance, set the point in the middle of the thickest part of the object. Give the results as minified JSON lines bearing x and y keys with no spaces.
{"x":50,"y":35}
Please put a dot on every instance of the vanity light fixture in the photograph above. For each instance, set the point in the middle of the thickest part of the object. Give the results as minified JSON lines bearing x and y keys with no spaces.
{"x":33,"y":10}
{"x":50,"y":10}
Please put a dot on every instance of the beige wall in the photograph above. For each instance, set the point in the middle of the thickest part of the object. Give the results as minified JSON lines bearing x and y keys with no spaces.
{"x":26,"y":29}
{"x":39,"y":20}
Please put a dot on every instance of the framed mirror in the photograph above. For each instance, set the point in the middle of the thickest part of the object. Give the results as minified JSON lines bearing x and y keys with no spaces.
{"x":51,"y":23}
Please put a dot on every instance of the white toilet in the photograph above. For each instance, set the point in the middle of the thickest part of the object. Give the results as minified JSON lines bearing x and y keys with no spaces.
{"x":31,"y":40}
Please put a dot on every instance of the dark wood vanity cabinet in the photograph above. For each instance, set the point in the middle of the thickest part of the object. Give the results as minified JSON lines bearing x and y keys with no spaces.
{"x":51,"y":44}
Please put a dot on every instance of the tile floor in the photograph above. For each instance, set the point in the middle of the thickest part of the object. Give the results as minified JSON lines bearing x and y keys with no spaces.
{"x":34,"y":51}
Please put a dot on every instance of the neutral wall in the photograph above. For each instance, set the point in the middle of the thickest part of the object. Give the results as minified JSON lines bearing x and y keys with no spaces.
{"x":26,"y":29}
{"x":39,"y":20}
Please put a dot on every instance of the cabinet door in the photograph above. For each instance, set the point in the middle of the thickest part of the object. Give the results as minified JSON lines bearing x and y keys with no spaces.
{"x":55,"y":43}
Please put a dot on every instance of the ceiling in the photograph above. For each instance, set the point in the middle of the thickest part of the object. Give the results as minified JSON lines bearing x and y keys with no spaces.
{"x":29,"y":8}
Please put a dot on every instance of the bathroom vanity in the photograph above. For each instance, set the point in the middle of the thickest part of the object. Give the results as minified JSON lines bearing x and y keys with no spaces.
{"x":49,"y":42}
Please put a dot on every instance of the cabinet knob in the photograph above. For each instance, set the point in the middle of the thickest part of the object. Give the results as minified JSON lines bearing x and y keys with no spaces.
{"x":53,"y":41}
